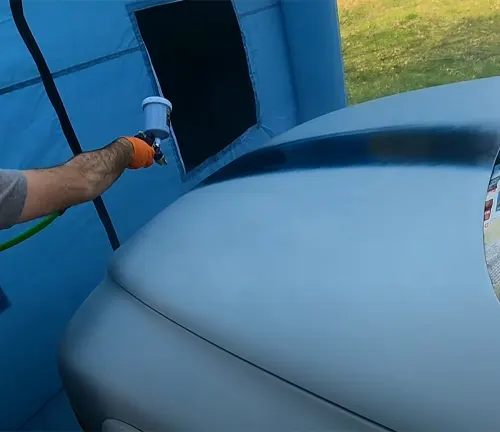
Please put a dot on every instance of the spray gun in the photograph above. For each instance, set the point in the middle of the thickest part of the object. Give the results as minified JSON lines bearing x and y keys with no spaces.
{"x":155,"y":143}
{"x":157,"y":127}
{"x":156,"y":124}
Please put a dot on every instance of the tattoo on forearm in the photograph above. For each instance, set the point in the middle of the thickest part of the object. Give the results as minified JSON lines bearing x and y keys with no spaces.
{"x":102,"y":167}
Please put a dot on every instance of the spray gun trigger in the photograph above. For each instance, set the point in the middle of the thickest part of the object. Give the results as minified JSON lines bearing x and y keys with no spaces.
{"x":154,"y":142}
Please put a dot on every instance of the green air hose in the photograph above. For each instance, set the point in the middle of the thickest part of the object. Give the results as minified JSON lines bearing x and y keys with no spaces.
{"x":30,"y":233}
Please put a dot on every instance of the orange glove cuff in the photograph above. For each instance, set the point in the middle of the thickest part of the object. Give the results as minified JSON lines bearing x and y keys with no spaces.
{"x":143,"y":153}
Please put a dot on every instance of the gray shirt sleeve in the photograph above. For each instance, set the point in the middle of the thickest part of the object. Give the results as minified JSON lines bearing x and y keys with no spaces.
{"x":13,"y":190}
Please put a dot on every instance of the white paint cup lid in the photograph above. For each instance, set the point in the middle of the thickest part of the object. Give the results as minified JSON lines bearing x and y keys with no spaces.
{"x":156,"y":99}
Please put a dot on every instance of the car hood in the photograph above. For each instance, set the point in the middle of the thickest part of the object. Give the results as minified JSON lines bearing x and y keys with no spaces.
{"x":362,"y":282}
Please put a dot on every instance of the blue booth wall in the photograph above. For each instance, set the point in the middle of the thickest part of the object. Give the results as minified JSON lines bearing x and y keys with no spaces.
{"x":102,"y":74}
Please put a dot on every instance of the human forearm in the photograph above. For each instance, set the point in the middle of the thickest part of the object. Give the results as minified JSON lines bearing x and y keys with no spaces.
{"x":35,"y":193}
{"x":99,"y":169}
{"x":81,"y":179}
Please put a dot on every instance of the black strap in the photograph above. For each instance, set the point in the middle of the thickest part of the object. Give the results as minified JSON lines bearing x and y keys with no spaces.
{"x":16,"y":7}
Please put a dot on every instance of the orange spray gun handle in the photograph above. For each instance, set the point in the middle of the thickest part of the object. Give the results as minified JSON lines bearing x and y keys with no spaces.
{"x":154,"y":142}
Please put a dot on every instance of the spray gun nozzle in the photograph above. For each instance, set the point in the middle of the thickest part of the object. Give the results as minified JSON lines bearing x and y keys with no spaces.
{"x":159,"y":156}
{"x":154,"y":142}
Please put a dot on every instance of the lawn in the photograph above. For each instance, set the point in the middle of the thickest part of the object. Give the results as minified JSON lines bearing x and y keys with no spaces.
{"x":393,"y":46}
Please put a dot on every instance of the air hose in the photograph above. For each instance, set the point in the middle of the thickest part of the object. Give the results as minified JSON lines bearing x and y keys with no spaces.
{"x":30,"y":232}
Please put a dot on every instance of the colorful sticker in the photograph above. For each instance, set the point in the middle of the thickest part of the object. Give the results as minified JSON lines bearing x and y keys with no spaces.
{"x":487,"y":209}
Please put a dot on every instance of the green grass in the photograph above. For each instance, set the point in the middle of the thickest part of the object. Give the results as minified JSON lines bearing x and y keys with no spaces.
{"x":393,"y":46}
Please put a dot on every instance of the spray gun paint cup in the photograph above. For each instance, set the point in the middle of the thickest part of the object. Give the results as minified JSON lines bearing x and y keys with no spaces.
{"x":157,"y":116}
{"x":157,"y":122}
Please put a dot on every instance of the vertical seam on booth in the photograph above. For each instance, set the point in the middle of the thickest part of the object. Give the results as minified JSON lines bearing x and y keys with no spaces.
{"x":23,"y":28}
{"x":186,"y":176}
{"x":132,"y":8}
{"x":251,"y":72}
{"x":230,"y":148}
{"x":342,"y":66}
{"x":289,"y":55}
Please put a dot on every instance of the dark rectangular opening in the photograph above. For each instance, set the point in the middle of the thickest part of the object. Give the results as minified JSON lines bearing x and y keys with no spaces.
{"x":197,"y":52}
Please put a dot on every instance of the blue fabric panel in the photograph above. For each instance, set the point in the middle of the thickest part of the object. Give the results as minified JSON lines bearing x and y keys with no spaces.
{"x":56,"y":415}
{"x":68,"y":33}
{"x":16,"y":63}
{"x":270,"y":70}
{"x":316,"y":56}
{"x":31,"y":136}
{"x":103,"y":103}
{"x":49,"y":276}
{"x":46,"y":277}
{"x":73,"y":32}
{"x":245,"y":7}
{"x":111,"y":108}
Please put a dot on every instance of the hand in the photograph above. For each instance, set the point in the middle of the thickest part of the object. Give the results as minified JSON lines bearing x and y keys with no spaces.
{"x":143,"y":153}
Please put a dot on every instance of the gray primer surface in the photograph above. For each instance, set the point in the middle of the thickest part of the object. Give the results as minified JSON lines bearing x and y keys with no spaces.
{"x":121,"y":360}
{"x":465,"y":103}
{"x":365,"y":284}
